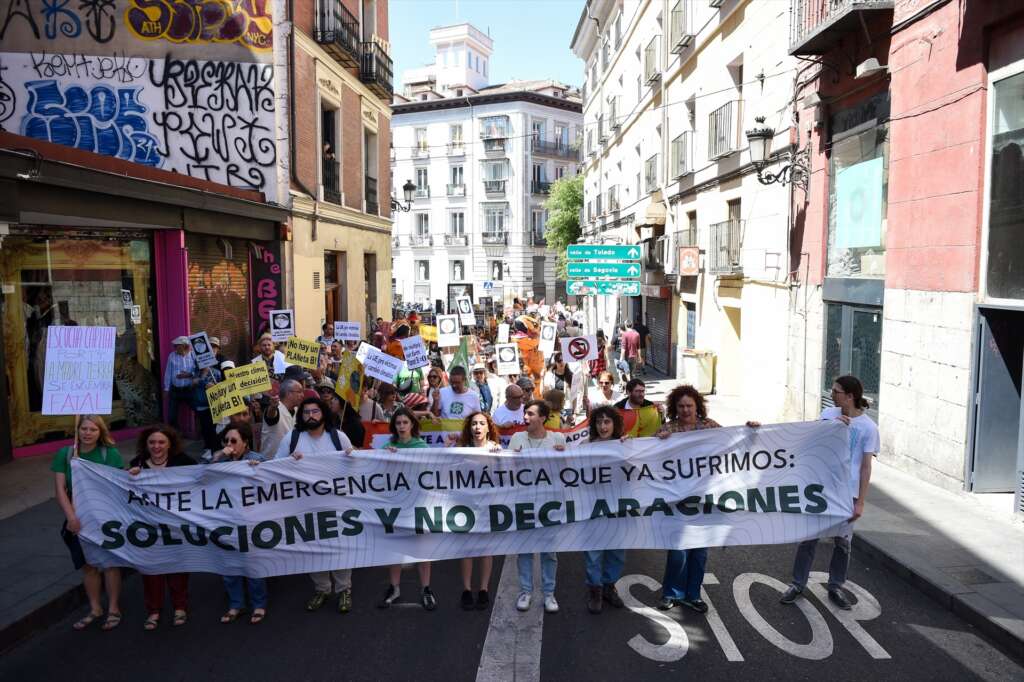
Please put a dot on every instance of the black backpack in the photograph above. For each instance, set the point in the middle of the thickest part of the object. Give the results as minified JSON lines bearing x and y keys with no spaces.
{"x":333,"y":433}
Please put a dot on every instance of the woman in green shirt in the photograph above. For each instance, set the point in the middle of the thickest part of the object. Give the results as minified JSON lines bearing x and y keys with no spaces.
{"x":93,"y":444}
{"x":405,"y":433}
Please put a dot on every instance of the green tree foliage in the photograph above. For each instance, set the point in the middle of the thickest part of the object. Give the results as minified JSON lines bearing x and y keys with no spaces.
{"x":564,"y":205}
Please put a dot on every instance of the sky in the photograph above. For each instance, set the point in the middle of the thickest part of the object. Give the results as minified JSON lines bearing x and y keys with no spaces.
{"x":531,"y":37}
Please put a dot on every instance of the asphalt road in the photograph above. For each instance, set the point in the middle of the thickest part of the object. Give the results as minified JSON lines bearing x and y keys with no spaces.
{"x":894,"y":632}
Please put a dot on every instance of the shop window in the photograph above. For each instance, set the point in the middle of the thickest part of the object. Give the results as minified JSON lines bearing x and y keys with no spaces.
{"x":853,"y":345}
{"x":1005,"y":252}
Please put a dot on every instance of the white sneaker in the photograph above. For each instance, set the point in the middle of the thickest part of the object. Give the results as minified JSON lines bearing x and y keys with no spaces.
{"x":550,"y":604}
{"x":523,"y":603}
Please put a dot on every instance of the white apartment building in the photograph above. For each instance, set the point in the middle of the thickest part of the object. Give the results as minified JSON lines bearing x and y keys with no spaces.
{"x":482,"y":158}
{"x":670,"y":88}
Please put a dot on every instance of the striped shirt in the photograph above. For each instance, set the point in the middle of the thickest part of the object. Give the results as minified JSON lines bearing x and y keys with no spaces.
{"x":176,"y":364}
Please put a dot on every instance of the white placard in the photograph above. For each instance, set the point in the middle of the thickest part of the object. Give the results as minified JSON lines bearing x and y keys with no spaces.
{"x":579,"y":348}
{"x":381,"y":366}
{"x":362,"y":351}
{"x":348,"y":331}
{"x":548,"y":331}
{"x":503,"y":330}
{"x":465,"y":307}
{"x":448,"y":331}
{"x":282,"y":324}
{"x":415,"y":352}
{"x":507,"y":356}
{"x":136,"y":314}
{"x":203,"y":350}
{"x":79,"y":373}
{"x":126,"y":299}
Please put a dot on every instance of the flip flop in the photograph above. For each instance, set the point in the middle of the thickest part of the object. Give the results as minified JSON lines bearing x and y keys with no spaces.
{"x":152,"y":621}
{"x":112,"y":621}
{"x":88,"y":620}
{"x":257,"y":616}
{"x":231,"y":616}
{"x":180,"y":618}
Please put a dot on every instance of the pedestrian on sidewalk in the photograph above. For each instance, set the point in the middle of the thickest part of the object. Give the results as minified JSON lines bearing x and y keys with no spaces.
{"x":631,"y":350}
{"x":536,"y":437}
{"x":850,"y":403}
{"x":92,"y":444}
{"x":237,"y":441}
{"x":159,"y":447}
{"x":604,"y":566}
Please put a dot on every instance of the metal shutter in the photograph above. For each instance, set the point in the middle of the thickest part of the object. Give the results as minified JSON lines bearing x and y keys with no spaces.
{"x":659,"y":322}
{"x":218,"y":292}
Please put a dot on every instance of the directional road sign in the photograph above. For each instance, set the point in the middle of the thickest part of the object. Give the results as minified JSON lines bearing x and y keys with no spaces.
{"x":598,"y":270}
{"x":608,"y":288}
{"x":603,"y":252}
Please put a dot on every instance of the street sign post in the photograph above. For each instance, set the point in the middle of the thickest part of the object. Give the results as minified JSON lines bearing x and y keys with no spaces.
{"x":603,"y":252}
{"x":578,"y":287}
{"x":598,"y":270}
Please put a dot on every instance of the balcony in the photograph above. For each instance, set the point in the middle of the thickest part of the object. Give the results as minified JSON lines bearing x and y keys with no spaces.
{"x":371,"y":196}
{"x":337,"y":31}
{"x":497,"y":144}
{"x":538,"y":238}
{"x":421,"y":240}
{"x":455,"y":240}
{"x":655,"y":254}
{"x":816,"y":25}
{"x":421,"y":151}
{"x":375,"y":69}
{"x":456,"y":190}
{"x":652,"y":70}
{"x":331,"y":170}
{"x":557,"y":148}
{"x":422,"y":192}
{"x":651,"y":174}
{"x":613,"y":199}
{"x":540,"y":187}
{"x":680,"y":28}
{"x":723,"y":257}
{"x":495,"y":186}
{"x":725,"y":133}
{"x":456,"y":148}
{"x":494,"y":128}
{"x":495,"y":238}
{"x":680,"y":155}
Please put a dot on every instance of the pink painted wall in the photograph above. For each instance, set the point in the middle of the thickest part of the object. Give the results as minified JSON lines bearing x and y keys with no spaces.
{"x":171,"y":261}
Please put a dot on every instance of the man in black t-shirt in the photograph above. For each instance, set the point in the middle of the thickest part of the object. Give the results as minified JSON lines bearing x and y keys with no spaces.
{"x":645,"y":337}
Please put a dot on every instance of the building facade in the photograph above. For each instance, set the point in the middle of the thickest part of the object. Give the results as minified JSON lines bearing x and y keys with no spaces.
{"x":482,"y":159}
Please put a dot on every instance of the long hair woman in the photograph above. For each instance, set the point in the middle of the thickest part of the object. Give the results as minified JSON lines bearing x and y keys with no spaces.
{"x":478,"y":431}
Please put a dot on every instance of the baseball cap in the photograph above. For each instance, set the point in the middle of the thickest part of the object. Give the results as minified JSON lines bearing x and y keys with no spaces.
{"x":180,"y":341}
{"x":214,"y":341}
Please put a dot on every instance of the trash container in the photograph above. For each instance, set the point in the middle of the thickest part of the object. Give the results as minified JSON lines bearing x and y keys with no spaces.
{"x":699,"y":369}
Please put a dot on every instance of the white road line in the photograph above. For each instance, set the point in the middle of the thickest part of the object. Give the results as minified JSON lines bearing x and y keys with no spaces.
{"x":512,"y":648}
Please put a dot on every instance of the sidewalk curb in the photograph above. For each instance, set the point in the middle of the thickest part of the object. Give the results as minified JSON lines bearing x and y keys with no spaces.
{"x":41,"y":617}
{"x":949,"y":593}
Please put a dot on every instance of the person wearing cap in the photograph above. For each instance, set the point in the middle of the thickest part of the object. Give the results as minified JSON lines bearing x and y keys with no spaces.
{"x":220,"y":357}
{"x":482,"y":388}
{"x":180,"y":378}
{"x":276,"y":364}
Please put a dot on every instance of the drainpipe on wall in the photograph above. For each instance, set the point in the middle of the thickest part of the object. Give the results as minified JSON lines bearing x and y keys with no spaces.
{"x":665,"y":141}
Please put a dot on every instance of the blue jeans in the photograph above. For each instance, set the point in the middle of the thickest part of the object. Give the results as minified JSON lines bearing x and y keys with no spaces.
{"x":548,"y":568}
{"x":604,"y":566}
{"x":236,"y":595}
{"x":684,"y":573}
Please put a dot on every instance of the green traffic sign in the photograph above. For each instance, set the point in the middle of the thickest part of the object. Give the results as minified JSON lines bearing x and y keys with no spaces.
{"x":603,"y":252}
{"x":596,"y":270}
{"x":578,"y":287}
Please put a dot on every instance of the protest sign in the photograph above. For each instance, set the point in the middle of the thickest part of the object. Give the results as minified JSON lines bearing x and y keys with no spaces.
{"x":79,"y":371}
{"x":464,"y":304}
{"x":349,"y":384}
{"x":362,"y":351}
{"x":548,"y":330}
{"x":381,"y":366}
{"x":579,"y":348}
{"x":136,"y":314}
{"x":302,"y":352}
{"x":503,"y":330}
{"x":203,"y":350}
{"x":250,"y":379}
{"x":126,"y":299}
{"x":710,"y":488}
{"x":429,"y":333}
{"x":282,"y":324}
{"x":348,"y":331}
{"x":507,"y":356}
{"x":224,"y":399}
{"x":415,"y":352}
{"x":447,"y":331}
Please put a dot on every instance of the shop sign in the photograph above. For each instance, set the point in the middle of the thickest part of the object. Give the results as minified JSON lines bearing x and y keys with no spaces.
{"x":265,"y":292}
{"x":689,"y":261}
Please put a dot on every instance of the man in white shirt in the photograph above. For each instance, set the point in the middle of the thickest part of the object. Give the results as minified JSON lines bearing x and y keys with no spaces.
{"x":274,"y":359}
{"x":316,"y":433}
{"x":456,"y":401}
{"x":510,"y":412}
{"x":279,"y":417}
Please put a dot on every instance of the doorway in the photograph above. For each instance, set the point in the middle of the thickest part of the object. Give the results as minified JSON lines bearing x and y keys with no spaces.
{"x":729,"y":364}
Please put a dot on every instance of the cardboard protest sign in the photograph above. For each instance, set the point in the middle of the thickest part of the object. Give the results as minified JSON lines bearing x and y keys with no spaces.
{"x":447,"y":331}
{"x":203,"y":350}
{"x":429,"y":333}
{"x":465,"y":307}
{"x":579,"y":348}
{"x":503,"y":330}
{"x":508,"y":359}
{"x":548,"y":330}
{"x":415,"y":352}
{"x":224,"y":399}
{"x":348,"y":331}
{"x":302,"y":352}
{"x":251,"y":378}
{"x":282,"y":324}
{"x":79,"y":372}
{"x":382,"y":366}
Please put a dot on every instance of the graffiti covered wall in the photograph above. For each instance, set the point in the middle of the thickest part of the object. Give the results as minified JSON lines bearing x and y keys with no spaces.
{"x":182,"y":85}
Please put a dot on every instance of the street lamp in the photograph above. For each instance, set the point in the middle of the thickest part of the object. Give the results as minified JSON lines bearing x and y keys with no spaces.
{"x":759,"y":139}
{"x":407,"y":189}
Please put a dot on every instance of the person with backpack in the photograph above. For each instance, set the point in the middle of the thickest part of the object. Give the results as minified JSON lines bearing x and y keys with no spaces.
{"x":316,"y":432}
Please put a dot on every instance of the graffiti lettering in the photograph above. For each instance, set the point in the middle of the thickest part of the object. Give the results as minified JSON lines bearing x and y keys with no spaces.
{"x":103,"y":119}
{"x":8,"y":101}
{"x":99,"y":19}
{"x":20,"y":8}
{"x":119,"y":68}
{"x":58,"y":17}
{"x":247,"y":22}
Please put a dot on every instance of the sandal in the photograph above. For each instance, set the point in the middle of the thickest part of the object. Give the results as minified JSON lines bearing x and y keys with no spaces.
{"x":180,"y":618}
{"x":151,"y":622}
{"x":112,"y":621}
{"x":231,"y":616}
{"x":87,"y":620}
{"x":257,"y":616}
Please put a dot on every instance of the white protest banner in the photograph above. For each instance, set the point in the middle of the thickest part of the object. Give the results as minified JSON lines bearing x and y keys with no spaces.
{"x":415,"y":352}
{"x":782,"y":483}
{"x":507,"y":355}
{"x":282,"y":324}
{"x":348,"y":331}
{"x":465,"y":306}
{"x":362,"y":351}
{"x":448,"y":331}
{"x":381,"y":366}
{"x":203,"y":350}
{"x":579,"y":348}
{"x":79,"y":371}
{"x":548,"y":330}
{"x":503,"y":330}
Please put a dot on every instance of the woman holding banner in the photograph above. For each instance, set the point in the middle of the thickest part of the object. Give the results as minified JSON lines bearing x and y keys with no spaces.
{"x":92,"y":444}
{"x":478,"y":431}
{"x":159,"y":447}
{"x":405,"y":433}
